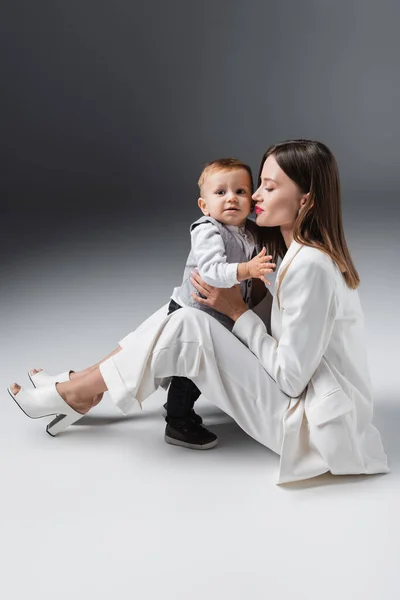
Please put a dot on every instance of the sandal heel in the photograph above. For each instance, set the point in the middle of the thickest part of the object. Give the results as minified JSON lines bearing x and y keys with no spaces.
{"x":61,"y":422}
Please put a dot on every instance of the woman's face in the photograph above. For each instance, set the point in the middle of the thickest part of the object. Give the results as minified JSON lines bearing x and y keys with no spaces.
{"x":278,"y":199}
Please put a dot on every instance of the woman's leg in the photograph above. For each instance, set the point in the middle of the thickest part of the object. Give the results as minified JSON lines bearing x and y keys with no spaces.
{"x":75,"y":374}
{"x":192,"y":344}
{"x":77,"y":396}
{"x":156,"y":316}
{"x":81,"y":393}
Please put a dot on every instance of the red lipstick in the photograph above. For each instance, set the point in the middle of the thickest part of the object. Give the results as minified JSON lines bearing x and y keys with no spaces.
{"x":258,"y":210}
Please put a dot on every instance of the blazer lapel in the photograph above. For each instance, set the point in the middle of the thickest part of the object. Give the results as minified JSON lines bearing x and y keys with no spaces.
{"x":291,"y":251}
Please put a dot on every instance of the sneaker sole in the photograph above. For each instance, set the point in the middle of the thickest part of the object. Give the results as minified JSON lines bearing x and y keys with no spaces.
{"x":175,"y":442}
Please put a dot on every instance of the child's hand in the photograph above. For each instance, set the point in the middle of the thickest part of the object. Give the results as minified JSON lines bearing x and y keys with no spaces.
{"x":259,"y":266}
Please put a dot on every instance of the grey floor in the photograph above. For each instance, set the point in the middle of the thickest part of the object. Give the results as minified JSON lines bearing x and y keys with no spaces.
{"x":107,"y":509}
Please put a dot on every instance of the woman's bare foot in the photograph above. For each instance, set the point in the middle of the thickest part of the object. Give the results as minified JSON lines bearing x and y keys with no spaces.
{"x":77,"y":400}
{"x":80,"y":406}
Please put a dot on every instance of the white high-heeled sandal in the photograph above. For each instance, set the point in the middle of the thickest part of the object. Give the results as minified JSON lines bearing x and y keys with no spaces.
{"x":42,"y":378}
{"x":44,"y":402}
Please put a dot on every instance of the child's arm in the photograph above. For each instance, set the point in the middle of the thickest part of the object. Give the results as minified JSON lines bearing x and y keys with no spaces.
{"x":209,"y":251}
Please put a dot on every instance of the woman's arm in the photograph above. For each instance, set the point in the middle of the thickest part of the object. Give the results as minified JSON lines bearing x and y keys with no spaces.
{"x":308,"y":309}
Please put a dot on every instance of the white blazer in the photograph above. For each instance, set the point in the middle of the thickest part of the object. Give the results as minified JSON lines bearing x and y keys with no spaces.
{"x":317,"y":356}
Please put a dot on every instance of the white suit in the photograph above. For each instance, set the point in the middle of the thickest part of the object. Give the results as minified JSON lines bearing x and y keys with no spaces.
{"x":304,"y":392}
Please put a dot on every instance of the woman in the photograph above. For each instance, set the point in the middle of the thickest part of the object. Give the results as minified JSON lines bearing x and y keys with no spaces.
{"x":303,"y":391}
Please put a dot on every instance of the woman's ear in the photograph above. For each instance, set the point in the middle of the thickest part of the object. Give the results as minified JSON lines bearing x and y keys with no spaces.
{"x":304,"y":200}
{"x":203,"y":207}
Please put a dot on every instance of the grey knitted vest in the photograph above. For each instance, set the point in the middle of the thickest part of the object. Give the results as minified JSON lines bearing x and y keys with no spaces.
{"x":234,"y":254}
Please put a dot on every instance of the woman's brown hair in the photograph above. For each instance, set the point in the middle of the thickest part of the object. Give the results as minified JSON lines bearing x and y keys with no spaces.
{"x":312,"y":166}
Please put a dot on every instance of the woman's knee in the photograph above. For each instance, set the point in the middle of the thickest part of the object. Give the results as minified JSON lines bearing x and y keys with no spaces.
{"x":190,"y":315}
{"x":193,"y":324}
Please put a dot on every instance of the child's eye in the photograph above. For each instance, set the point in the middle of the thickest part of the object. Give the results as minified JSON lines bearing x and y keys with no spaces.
{"x":241,"y":191}
{"x":220,"y":192}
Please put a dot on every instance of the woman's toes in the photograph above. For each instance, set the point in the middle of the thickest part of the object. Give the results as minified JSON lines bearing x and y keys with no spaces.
{"x":15,"y":388}
{"x":34,"y":371}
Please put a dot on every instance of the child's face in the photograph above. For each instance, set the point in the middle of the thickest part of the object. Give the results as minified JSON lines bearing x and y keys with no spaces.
{"x":226,"y":196}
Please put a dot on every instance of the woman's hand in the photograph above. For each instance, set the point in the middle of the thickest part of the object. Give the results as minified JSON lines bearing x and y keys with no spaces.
{"x":228,"y":301}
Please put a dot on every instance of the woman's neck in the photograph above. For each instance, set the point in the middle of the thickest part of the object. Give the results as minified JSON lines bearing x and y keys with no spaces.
{"x":287,"y":234}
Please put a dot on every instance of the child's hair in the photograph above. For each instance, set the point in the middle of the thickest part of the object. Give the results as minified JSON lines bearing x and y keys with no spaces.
{"x":224,"y":164}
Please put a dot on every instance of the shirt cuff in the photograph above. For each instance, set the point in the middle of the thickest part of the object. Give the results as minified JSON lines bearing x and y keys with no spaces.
{"x":245,"y":324}
{"x":231,"y":274}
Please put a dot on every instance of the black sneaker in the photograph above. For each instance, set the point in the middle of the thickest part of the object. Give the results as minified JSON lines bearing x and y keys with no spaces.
{"x":187,"y":433}
{"x":194,"y":416}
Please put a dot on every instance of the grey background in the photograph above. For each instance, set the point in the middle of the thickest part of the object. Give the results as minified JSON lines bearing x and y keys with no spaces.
{"x":110,"y":105}
{"x":109,"y":110}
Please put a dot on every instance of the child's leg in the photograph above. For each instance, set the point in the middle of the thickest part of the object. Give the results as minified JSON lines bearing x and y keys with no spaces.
{"x":184,"y":427}
{"x":182,"y":392}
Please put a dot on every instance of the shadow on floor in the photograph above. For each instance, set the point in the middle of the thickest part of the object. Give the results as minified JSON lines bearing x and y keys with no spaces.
{"x":234,"y":440}
{"x":387,"y":419}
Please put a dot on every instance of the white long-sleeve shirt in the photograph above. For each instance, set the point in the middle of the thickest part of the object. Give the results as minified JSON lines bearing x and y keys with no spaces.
{"x":216,"y":250}
{"x":210,"y":253}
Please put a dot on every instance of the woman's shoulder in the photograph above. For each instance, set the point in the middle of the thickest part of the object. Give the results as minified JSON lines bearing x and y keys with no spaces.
{"x":305,"y":265}
{"x":310,"y":257}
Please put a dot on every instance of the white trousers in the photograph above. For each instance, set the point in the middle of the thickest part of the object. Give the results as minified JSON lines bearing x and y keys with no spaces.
{"x":191,"y":343}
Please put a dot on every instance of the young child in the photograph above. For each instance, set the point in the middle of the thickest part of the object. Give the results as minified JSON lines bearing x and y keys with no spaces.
{"x":225,"y":249}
